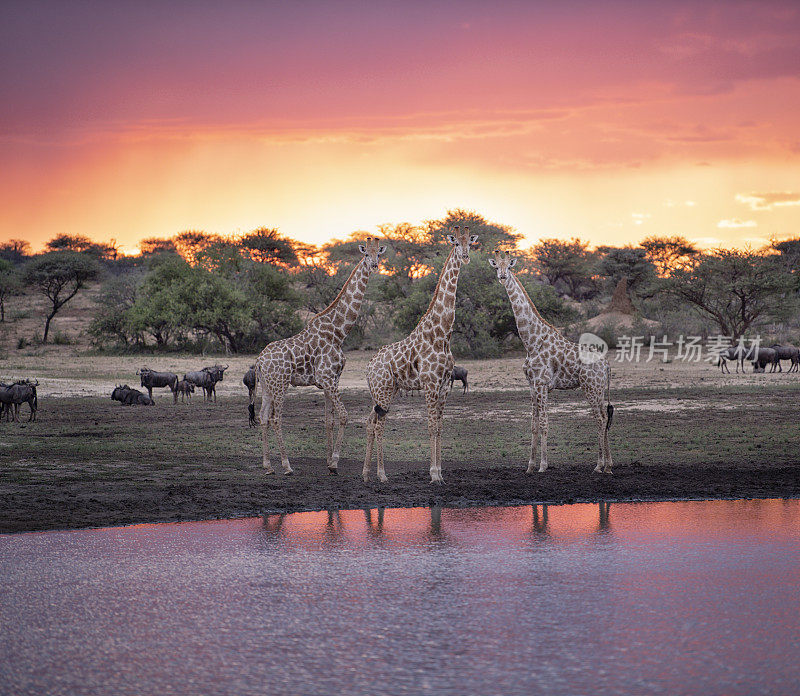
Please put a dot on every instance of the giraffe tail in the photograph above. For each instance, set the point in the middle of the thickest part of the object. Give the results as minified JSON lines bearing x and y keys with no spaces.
{"x":251,"y":408}
{"x":609,"y":407}
{"x":380,"y":411}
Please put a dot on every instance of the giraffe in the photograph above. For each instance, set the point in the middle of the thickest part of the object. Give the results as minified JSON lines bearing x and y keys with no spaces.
{"x":553,"y":362}
{"x":313,"y":357}
{"x":422,"y":360}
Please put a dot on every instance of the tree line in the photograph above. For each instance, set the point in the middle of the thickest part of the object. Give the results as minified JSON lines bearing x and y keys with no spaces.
{"x":199,"y":291}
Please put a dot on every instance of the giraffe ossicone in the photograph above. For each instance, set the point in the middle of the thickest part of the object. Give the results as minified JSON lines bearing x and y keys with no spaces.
{"x":554,"y":362}
{"x":314,"y":357}
{"x":422,"y":360}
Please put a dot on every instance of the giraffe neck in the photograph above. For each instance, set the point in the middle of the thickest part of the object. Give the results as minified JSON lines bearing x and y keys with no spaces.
{"x":343,"y":311}
{"x":442,"y":309}
{"x":530,"y":324}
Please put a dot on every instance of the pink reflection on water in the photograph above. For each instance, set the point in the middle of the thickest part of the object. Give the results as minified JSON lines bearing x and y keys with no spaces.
{"x":688,"y":521}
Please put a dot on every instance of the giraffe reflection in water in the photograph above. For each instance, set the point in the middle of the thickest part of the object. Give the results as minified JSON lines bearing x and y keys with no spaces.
{"x":539,"y":519}
{"x":375,"y":529}
{"x":539,"y":522}
{"x":405,"y":525}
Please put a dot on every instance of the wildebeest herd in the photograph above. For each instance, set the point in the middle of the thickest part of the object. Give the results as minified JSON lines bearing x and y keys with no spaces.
{"x":206,"y":378}
{"x":12,"y":396}
{"x":760,"y":358}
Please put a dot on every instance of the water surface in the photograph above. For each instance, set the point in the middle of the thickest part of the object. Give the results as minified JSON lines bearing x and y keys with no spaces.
{"x":663,"y":598}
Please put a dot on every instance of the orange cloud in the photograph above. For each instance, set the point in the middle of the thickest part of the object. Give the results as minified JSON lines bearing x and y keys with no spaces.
{"x":126,"y":120}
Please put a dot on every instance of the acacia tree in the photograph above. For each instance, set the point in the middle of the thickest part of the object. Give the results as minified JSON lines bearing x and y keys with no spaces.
{"x":491,"y":235}
{"x":113,"y":317}
{"x":15,"y":250}
{"x":59,"y":276}
{"x":626,"y":262}
{"x":191,"y":242}
{"x":789,"y":250}
{"x":408,"y":257}
{"x":157,"y":245}
{"x":569,"y":263}
{"x":669,"y":254}
{"x":69,"y":242}
{"x":9,"y":284}
{"x":266,"y":245}
{"x":733,"y":287}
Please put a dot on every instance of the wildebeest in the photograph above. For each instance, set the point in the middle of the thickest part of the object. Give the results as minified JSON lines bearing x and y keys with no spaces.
{"x":6,"y":401}
{"x":12,"y":396}
{"x":207,"y":379}
{"x":738,"y":353}
{"x":185,"y":389}
{"x":151,"y":378}
{"x":130,"y":397}
{"x":786,"y":353}
{"x":459,"y":373}
{"x":766,"y":356}
{"x":249,"y":380}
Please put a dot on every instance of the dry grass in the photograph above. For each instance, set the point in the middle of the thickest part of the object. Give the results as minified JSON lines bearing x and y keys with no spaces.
{"x":681,"y":430}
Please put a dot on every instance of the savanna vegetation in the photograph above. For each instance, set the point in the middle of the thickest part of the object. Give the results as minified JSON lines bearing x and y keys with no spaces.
{"x":201,"y":292}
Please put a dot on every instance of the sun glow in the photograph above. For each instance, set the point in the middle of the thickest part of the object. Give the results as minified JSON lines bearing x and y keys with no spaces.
{"x":661,"y":121}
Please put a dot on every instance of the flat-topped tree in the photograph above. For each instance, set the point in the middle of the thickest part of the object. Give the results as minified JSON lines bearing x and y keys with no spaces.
{"x":59,"y":276}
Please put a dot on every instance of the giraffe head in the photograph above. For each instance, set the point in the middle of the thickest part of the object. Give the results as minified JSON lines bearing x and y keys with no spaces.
{"x":502,"y":262}
{"x":461,"y":239}
{"x":372,"y":250}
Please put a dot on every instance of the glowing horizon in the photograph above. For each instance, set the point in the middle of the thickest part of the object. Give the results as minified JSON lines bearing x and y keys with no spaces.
{"x":605,"y":121}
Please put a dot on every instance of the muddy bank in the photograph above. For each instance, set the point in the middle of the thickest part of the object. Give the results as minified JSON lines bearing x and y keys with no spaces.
{"x":90,"y":462}
{"x":104,"y":503}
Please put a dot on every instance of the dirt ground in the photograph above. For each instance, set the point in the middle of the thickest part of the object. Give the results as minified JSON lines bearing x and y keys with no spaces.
{"x":681,"y":430}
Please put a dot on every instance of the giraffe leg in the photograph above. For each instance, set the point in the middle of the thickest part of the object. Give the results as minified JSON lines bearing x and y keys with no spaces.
{"x":606,"y":445}
{"x":277,"y":422}
{"x":431,"y":401}
{"x":439,"y":449}
{"x":439,"y":417}
{"x":265,"y":416}
{"x":370,"y":442}
{"x":380,"y":423}
{"x":541,"y":407}
{"x":341,"y":417}
{"x":534,"y":433}
{"x":597,"y":414}
{"x":607,"y":452}
{"x":328,"y":430}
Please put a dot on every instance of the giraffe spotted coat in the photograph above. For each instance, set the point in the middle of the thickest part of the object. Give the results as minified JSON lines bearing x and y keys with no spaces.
{"x":314,"y":357}
{"x":422,"y":361}
{"x":553,"y":362}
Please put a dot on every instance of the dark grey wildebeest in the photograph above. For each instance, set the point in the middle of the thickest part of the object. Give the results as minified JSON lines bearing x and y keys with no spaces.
{"x":151,"y":379}
{"x":459,"y":373}
{"x":130,"y":397}
{"x":766,"y":356}
{"x":12,"y":396}
{"x":185,"y":389}
{"x":739,"y":354}
{"x":6,"y":401}
{"x":786,"y":353}
{"x":249,"y":381}
{"x":206,"y":378}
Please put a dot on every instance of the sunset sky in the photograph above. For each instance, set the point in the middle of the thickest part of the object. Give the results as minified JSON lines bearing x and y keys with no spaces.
{"x":606,"y":121}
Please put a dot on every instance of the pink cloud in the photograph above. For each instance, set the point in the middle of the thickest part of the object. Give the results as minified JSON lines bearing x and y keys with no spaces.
{"x":105,"y":65}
